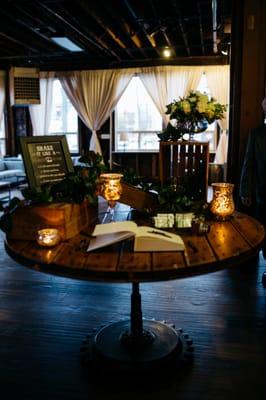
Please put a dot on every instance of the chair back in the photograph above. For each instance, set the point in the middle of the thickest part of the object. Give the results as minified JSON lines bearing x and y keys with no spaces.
{"x":185,"y":163}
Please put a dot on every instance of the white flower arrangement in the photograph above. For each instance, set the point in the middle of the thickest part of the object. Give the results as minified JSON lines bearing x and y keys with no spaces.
{"x":191,"y":114}
{"x":196,"y":107}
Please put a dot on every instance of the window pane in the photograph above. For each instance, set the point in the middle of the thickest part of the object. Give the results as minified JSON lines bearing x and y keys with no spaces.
{"x":64,"y":119}
{"x":137,"y":119}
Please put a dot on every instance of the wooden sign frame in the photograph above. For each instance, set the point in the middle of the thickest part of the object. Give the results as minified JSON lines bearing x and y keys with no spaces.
{"x":47,"y":159}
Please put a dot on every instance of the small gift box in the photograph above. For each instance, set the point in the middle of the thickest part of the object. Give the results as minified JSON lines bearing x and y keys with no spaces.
{"x":164,"y":221}
{"x":183,"y":220}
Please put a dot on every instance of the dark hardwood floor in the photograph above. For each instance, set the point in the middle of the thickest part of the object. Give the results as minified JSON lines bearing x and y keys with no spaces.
{"x":44,"y":318}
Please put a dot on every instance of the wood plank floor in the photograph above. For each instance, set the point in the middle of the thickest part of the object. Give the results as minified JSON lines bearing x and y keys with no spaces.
{"x":43,"y":320}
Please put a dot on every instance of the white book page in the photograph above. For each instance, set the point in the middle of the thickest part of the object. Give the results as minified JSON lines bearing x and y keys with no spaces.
{"x":108,"y":239}
{"x":153,"y":233}
{"x":112,"y":227}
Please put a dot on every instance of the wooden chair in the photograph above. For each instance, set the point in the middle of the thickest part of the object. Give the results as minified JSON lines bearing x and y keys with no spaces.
{"x":185,"y":163}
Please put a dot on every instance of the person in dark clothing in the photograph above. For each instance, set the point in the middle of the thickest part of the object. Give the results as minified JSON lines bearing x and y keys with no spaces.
{"x":253,"y":175}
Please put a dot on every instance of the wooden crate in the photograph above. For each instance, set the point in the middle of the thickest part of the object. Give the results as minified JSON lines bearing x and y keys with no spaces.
{"x":137,"y":198}
{"x":68,"y":218}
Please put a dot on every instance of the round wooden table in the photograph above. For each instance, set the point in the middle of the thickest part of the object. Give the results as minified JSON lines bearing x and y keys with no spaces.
{"x":138,"y":343}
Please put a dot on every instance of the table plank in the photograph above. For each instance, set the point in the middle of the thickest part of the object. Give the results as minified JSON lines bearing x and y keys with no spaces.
{"x":198,"y":250}
{"x":249,"y":228}
{"x":102,"y":261}
{"x":34,"y":252}
{"x":71,"y":257}
{"x":165,"y":261}
{"x":226,"y":241}
{"x":138,"y":262}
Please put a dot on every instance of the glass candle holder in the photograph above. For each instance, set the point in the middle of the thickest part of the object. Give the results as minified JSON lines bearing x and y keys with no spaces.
{"x":222,"y":204}
{"x":48,"y":237}
{"x":111,"y":189}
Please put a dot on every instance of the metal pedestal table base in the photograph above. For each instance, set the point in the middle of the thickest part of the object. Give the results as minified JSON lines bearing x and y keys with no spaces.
{"x":136,"y":345}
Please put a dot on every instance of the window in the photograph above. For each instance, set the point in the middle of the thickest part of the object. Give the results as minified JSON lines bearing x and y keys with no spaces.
{"x":210,"y":135}
{"x":2,"y":137}
{"x":64,"y":118}
{"x":137,"y":120}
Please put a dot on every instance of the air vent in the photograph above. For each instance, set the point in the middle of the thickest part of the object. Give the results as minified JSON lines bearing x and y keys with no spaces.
{"x":24,"y":86}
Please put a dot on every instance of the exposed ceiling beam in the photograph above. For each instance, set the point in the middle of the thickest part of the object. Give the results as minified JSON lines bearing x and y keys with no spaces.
{"x":137,"y":20}
{"x":120,"y":20}
{"x":18,"y":42}
{"x":162,"y":27}
{"x":41,"y":40}
{"x":96,"y":41}
{"x":181,"y":27}
{"x":200,"y":28}
{"x":214,"y":26}
{"x":105,"y":25}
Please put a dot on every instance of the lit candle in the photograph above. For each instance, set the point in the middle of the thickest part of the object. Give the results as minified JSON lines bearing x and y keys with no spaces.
{"x":222,"y":204}
{"x":111,"y":188}
{"x":48,"y":237}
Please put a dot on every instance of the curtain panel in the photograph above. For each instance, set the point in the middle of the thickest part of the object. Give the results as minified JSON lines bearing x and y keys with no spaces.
{"x":164,"y":84}
{"x":94,"y":94}
{"x":218,"y":78}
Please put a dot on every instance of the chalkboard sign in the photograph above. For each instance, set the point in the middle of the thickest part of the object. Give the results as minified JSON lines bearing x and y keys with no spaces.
{"x":47,"y":159}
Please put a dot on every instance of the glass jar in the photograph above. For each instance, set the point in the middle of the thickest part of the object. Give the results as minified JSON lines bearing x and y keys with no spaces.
{"x":222,"y":204}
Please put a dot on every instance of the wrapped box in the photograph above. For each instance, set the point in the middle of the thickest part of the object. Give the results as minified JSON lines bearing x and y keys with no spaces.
{"x":68,"y":218}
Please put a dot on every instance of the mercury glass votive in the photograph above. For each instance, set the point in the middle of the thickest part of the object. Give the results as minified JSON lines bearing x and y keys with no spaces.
{"x":110,"y":186}
{"x":111,"y":189}
{"x":222,"y":204}
{"x":48,"y":237}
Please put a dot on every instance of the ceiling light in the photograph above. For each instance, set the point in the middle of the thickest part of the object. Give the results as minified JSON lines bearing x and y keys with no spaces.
{"x":167,"y":52}
{"x":66,"y":43}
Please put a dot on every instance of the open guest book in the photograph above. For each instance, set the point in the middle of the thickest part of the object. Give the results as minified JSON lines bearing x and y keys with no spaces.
{"x":146,"y":238}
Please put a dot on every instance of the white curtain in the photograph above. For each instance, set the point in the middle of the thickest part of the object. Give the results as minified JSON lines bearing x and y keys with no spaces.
{"x":40,"y":114}
{"x":164,"y":84}
{"x":218,"y":78}
{"x":2,"y":97}
{"x":94,"y":94}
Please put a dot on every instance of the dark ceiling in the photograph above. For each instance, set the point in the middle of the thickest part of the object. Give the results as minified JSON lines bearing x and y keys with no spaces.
{"x":113,"y":33}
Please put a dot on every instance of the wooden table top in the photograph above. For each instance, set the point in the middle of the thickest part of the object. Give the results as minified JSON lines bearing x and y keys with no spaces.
{"x":227,"y":244}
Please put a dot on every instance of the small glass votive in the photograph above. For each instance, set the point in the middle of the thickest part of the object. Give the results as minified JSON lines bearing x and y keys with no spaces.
{"x":222,"y":205}
{"x":48,"y":237}
{"x":110,"y":186}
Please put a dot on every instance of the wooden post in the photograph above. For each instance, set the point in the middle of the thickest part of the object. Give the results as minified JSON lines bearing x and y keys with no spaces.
{"x":248,"y":78}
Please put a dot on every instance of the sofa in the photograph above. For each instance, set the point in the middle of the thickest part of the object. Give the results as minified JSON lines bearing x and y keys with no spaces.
{"x":12,"y":169}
